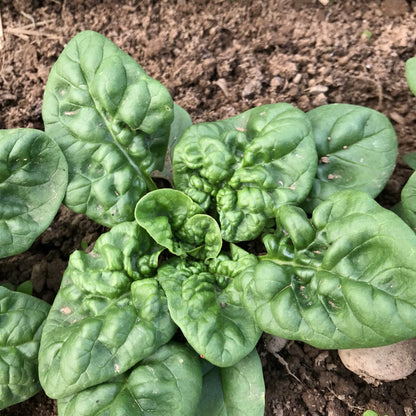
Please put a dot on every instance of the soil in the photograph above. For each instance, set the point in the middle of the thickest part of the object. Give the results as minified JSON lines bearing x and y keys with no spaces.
{"x":219,"y":58}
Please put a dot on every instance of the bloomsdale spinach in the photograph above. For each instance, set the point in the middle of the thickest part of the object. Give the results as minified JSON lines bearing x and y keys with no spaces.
{"x":272,"y":227}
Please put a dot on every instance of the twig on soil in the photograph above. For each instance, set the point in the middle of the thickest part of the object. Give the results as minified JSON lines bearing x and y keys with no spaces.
{"x":343,"y":399}
{"x":286,"y":365}
{"x":377,"y":83}
{"x":30,"y":17}
{"x":26,"y":33}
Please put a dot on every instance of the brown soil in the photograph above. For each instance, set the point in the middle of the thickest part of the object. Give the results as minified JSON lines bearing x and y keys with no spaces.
{"x":219,"y":58}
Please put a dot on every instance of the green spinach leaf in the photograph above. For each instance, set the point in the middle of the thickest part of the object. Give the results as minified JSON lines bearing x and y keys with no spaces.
{"x":112,"y":122}
{"x":357,"y":149}
{"x":247,"y":166}
{"x":168,"y":382}
{"x":408,"y":197}
{"x":108,"y":314}
{"x":205,"y":302}
{"x":233,"y":391}
{"x":33,"y":180}
{"x":21,"y":321}
{"x":335,"y":281}
{"x":411,"y":74}
{"x":176,"y":222}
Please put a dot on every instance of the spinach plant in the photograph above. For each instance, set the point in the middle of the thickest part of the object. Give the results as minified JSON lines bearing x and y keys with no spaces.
{"x":272,"y":227}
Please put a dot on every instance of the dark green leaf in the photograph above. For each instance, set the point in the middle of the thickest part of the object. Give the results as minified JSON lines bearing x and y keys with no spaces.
{"x":108,"y":314}
{"x":21,"y":322}
{"x":205,"y":302}
{"x":33,"y":180}
{"x":234,"y":391}
{"x":176,"y":222}
{"x":352,"y":286}
{"x":247,"y":166}
{"x":112,"y":122}
{"x":166,"y":383}
{"x":357,"y":149}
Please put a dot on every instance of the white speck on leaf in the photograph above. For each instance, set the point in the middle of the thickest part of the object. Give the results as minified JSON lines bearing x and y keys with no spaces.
{"x":332,"y":176}
{"x":116,"y":368}
{"x":65,"y":310}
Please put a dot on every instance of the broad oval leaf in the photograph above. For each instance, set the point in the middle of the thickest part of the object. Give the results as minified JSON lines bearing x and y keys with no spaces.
{"x":353,"y":286}
{"x":168,"y":382}
{"x":205,"y":302}
{"x":233,"y":391}
{"x":411,"y":74}
{"x":357,"y":149}
{"x":112,"y":122}
{"x":408,"y":197}
{"x":108,"y":314}
{"x":246,"y":166}
{"x":176,"y":222}
{"x":21,"y":321}
{"x":33,"y":180}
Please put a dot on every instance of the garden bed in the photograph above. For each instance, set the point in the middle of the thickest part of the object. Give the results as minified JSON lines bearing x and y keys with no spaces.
{"x":218,"y":59}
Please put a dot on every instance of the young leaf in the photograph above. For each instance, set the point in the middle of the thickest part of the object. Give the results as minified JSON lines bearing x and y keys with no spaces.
{"x":205,"y":302}
{"x":176,"y":222}
{"x":233,"y":391}
{"x":21,"y":322}
{"x":247,"y":166}
{"x":351,"y":286}
{"x":112,"y":122}
{"x":167,"y":382}
{"x":411,"y":74}
{"x":357,"y":149}
{"x":108,"y":314}
{"x":33,"y":180}
{"x":408,"y":197}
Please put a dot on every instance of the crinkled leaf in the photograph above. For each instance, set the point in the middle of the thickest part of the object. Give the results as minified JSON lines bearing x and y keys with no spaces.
{"x":247,"y":166}
{"x":112,"y":122}
{"x":21,"y":322}
{"x":408,"y":197}
{"x":352,"y":285}
{"x":33,"y":180}
{"x":411,"y":74}
{"x":166,"y":383}
{"x":104,"y":320}
{"x":233,"y":391}
{"x":357,"y":149}
{"x":205,"y":302}
{"x":176,"y":222}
